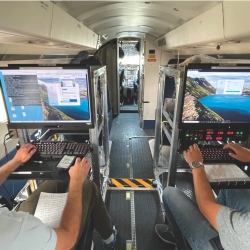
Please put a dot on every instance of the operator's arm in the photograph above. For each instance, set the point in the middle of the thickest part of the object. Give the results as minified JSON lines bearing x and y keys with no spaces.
{"x":69,"y":228}
{"x":239,"y":153}
{"x":22,"y":155}
{"x":203,"y":192}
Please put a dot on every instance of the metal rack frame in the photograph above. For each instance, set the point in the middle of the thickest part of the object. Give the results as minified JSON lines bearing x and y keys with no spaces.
{"x":171,"y":131}
{"x":95,"y":133}
{"x":101,"y":130}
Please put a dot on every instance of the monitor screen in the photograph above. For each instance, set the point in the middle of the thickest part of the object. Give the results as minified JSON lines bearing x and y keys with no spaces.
{"x":53,"y":97}
{"x":216,"y":96}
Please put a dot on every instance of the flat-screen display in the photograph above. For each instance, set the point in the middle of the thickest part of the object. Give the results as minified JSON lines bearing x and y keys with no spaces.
{"x":57,"y":97}
{"x":216,"y":95}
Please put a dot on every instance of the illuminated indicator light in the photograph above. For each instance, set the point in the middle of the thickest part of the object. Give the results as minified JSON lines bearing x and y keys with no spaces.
{"x":237,"y":133}
{"x":241,"y":133}
{"x":220,"y":133}
{"x":187,"y":134}
{"x":218,"y":138}
{"x":195,"y":138}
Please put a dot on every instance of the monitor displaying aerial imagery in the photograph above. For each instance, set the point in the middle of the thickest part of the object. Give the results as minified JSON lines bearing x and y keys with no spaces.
{"x":217,"y":95}
{"x":43,"y":97}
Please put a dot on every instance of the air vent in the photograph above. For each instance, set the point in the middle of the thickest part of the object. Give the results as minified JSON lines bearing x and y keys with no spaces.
{"x":162,"y":42}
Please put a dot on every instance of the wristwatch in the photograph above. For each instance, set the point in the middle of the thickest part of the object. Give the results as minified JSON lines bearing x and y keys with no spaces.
{"x":196,"y":164}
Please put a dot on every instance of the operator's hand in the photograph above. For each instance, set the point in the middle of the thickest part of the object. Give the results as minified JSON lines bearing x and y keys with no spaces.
{"x":239,"y":153}
{"x":24,"y":153}
{"x":193,"y":153}
{"x":79,"y":172}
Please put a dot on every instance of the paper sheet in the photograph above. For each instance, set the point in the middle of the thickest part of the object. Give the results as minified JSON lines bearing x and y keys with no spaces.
{"x":225,"y":172}
{"x":50,"y":208}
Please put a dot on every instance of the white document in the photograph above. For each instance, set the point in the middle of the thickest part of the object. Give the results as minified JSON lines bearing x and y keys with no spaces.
{"x":50,"y":208}
{"x":225,"y":172}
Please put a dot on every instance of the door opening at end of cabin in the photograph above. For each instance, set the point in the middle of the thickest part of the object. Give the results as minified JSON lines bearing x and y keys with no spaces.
{"x":129,"y":75}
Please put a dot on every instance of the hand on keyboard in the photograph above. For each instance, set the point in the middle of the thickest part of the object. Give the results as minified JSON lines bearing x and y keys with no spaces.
{"x":193,"y":153}
{"x":58,"y":148}
{"x":24,"y":153}
{"x":215,"y":154}
{"x":238,"y":152}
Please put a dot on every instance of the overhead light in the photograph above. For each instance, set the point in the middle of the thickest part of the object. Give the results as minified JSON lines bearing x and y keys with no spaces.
{"x":144,"y":26}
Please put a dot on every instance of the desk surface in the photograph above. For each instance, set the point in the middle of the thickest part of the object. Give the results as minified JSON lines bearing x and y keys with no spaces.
{"x":33,"y":170}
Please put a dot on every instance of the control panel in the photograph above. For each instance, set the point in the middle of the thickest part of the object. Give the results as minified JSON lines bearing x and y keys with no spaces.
{"x":225,"y":135}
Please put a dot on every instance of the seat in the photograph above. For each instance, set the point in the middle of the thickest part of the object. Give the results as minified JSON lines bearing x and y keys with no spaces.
{"x":91,"y":62}
{"x":85,"y":241}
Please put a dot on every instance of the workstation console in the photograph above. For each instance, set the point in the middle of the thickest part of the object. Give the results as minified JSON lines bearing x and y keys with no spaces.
{"x":211,"y":109}
{"x":215,"y":111}
{"x":58,"y":99}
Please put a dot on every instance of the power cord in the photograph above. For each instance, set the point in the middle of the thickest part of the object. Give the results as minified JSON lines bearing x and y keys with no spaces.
{"x":4,"y":143}
{"x":5,"y":149}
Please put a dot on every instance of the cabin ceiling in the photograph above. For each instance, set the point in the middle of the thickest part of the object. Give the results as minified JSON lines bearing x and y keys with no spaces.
{"x":111,"y":19}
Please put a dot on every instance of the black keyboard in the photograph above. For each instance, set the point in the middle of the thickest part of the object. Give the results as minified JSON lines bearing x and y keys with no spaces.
{"x":60,"y":148}
{"x":214,"y":154}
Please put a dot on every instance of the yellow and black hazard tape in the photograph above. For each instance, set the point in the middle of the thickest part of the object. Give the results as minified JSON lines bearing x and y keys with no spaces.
{"x":131,"y":183}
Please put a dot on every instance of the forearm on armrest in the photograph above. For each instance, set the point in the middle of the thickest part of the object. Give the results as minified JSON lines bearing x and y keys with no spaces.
{"x":69,"y":229}
{"x":204,"y":196}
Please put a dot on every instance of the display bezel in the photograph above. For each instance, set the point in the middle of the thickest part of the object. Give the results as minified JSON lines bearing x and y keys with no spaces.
{"x":58,"y":125}
{"x":236,"y":125}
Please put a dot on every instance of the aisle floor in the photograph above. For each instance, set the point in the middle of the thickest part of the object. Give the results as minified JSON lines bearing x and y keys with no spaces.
{"x":147,"y":209}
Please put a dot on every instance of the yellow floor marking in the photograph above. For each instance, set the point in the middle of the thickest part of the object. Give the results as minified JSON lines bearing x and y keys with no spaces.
{"x":128,"y":245}
{"x":127,"y":195}
{"x":116,"y":183}
{"x":130,"y":183}
{"x":144,"y":183}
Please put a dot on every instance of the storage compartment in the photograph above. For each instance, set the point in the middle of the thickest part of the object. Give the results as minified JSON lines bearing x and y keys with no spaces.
{"x":66,"y":28}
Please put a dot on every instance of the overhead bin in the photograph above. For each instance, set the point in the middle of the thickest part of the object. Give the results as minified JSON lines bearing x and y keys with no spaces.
{"x":227,"y":21}
{"x":44,"y":23}
{"x":207,"y":27}
{"x":26,"y":18}
{"x":66,"y":28}
{"x":236,"y":20}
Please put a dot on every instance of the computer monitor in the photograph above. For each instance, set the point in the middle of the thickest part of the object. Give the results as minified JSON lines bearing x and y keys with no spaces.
{"x":58,"y":97}
{"x":216,"y":96}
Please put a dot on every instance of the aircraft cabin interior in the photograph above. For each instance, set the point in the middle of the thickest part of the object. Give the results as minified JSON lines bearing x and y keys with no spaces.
{"x":129,"y":85}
